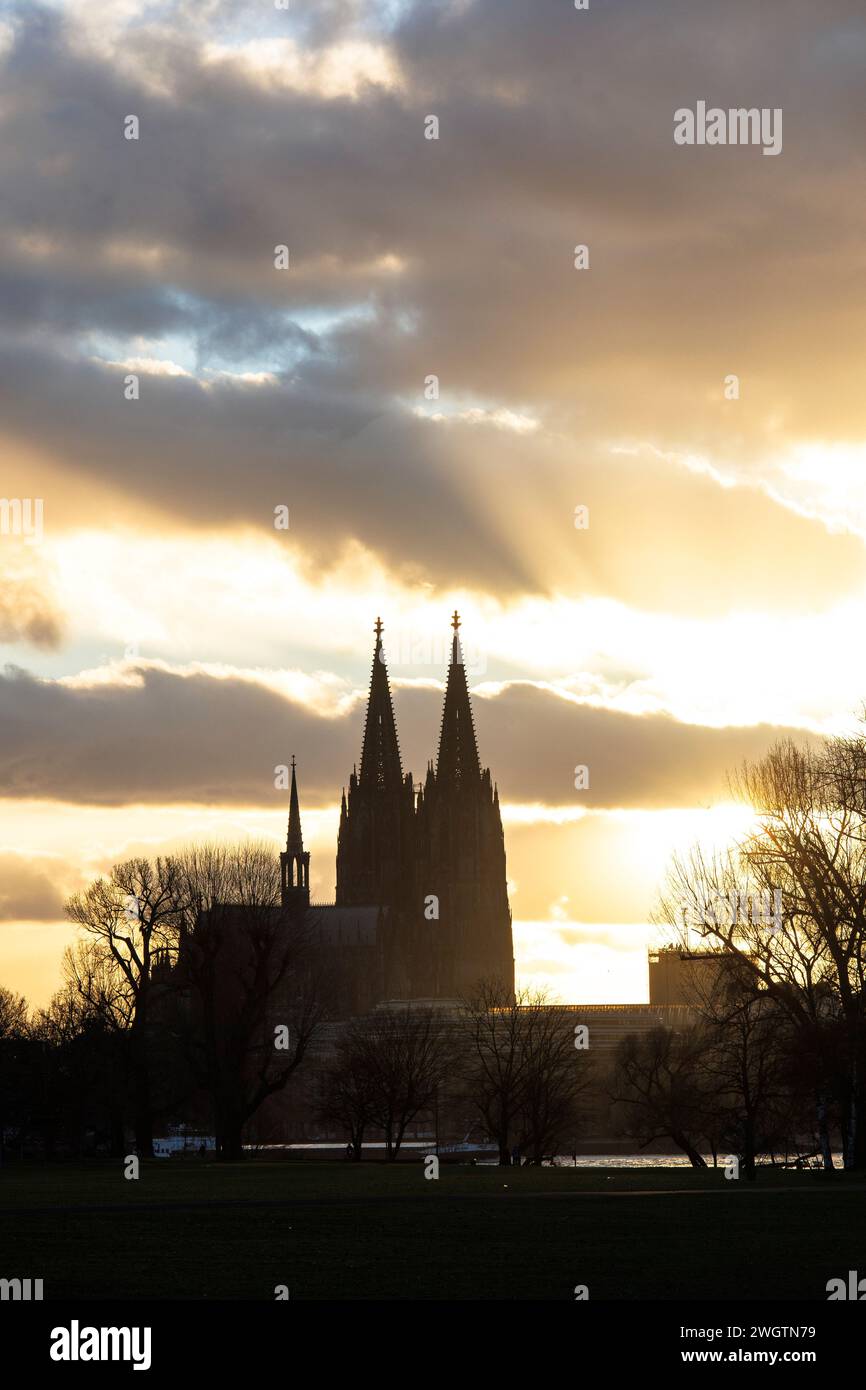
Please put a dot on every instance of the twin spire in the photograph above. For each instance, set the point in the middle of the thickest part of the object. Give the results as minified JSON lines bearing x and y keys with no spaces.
{"x":381,"y":768}
{"x":457,"y":763}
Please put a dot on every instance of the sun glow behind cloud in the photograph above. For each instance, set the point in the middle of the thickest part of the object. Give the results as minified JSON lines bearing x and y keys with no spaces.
{"x":827,"y":480}
{"x":721,"y":581}
{"x":341,"y":70}
{"x":742,"y":668}
{"x":580,"y":961}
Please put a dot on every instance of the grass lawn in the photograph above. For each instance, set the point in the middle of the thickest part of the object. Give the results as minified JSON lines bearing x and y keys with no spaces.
{"x":196,"y":1229}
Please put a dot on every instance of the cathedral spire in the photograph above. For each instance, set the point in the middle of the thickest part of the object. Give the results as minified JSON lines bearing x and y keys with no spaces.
{"x":295,"y":861}
{"x":380,"y":755}
{"x":295,"y":839}
{"x":457,"y":764}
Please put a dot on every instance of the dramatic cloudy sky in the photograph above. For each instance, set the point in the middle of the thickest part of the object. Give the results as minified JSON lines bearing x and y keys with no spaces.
{"x":164,"y":646}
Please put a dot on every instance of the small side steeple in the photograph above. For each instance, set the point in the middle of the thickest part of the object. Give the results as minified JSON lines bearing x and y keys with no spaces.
{"x":295,"y":861}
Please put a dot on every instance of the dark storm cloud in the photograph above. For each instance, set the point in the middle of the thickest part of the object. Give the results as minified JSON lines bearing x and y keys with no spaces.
{"x":556,"y":128}
{"x":28,"y":889}
{"x":200,"y":739}
{"x":468,"y":505}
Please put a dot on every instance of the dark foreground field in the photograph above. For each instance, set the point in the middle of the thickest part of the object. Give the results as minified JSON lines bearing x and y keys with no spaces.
{"x":194,"y":1229}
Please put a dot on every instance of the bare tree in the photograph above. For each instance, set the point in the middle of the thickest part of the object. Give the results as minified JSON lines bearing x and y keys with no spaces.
{"x":254,"y":993}
{"x":80,"y":1070}
{"x":496,"y":1059}
{"x":14,"y":1031}
{"x":13,"y":1014}
{"x":523,"y":1072}
{"x":657,"y":1085}
{"x":346,"y":1089}
{"x":555,"y":1075}
{"x":402,"y":1057}
{"x":804,"y":866}
{"x":129,"y":917}
{"x":103,"y":989}
{"x":746,"y":1067}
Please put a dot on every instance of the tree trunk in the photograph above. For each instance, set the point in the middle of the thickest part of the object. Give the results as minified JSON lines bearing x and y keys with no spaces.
{"x":858,"y":1145}
{"x":401,"y":1130}
{"x":117,"y":1146}
{"x":695,"y":1159}
{"x":143,"y":1128}
{"x":824,"y":1134}
{"x":855,"y":1151}
{"x":142,"y":1113}
{"x":749,"y":1151}
{"x":229,"y":1132}
{"x":357,"y":1144}
{"x":229,"y":1147}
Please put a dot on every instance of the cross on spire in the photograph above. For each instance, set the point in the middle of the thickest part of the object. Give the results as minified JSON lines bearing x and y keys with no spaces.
{"x":378,"y":628}
{"x":455,"y":621}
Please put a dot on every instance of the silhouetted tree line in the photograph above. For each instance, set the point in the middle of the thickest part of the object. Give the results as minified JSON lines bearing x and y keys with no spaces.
{"x":64,"y":1078}
{"x":192,"y":995}
{"x":506,"y":1064}
{"x":778,"y":1048}
{"x":730,"y":1083}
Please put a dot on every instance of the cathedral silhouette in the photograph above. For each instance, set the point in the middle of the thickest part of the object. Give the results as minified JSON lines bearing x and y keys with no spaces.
{"x":421,"y":908}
